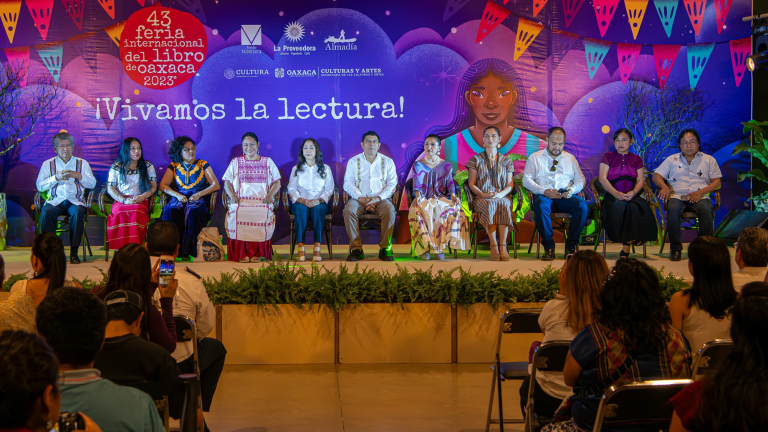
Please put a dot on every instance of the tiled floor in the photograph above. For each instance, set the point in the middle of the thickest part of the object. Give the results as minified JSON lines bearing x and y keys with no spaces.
{"x":357,"y":398}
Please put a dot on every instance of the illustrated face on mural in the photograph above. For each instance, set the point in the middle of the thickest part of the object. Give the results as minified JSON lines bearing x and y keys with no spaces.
{"x":65,"y":149}
{"x":370,"y":145}
{"x":188,"y":152}
{"x":689,"y":145}
{"x":431,"y":147}
{"x":250,"y":147}
{"x":135,"y":151}
{"x":491,"y":138}
{"x":491,"y":99}
{"x":622,"y":143}
{"x":556,"y":143}
{"x":308,"y":150}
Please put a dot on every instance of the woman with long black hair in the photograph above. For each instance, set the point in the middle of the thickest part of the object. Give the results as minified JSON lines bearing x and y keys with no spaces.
{"x":49,"y":264}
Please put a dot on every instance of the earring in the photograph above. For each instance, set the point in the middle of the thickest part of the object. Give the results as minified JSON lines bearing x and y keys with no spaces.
{"x":49,"y":425}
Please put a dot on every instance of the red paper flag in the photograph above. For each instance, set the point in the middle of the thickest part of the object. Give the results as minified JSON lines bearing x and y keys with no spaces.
{"x":19,"y":59}
{"x":628,"y":55}
{"x":75,"y":9}
{"x":41,"y":14}
{"x":721,"y":12}
{"x":493,"y":15}
{"x":604,"y":10}
{"x":695,"y":9}
{"x":740,"y":50}
{"x":526,"y":33}
{"x":664,"y":57}
{"x":109,"y":7}
{"x":571,"y":8}
{"x":538,"y":5}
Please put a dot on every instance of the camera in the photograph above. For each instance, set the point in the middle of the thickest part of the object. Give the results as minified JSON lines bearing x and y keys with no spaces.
{"x":70,"y":422}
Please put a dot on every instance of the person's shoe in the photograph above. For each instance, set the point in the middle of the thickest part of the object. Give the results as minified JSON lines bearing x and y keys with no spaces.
{"x":74,"y":259}
{"x":495,"y":256}
{"x":675,"y":255}
{"x":503,"y":253}
{"x":440,"y":256}
{"x":301,"y":253}
{"x":316,"y":255}
{"x":385,"y":254}
{"x":569,"y":252}
{"x":424,"y":256}
{"x":356,"y":255}
{"x":549,"y":255}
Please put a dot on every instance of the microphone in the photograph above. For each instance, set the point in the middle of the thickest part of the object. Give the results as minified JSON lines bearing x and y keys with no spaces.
{"x":755,"y":17}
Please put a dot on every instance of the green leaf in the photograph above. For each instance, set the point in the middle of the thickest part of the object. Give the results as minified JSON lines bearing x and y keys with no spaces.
{"x":755,"y":173}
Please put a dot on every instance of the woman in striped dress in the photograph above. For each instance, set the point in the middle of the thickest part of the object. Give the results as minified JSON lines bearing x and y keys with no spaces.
{"x":491,"y":180}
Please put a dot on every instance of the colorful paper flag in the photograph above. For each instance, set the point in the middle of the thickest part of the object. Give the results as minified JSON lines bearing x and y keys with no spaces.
{"x":721,"y":12}
{"x":493,"y":15}
{"x":628,"y":56}
{"x":86,"y":47}
{"x":664,"y":57}
{"x":526,"y":33}
{"x":571,"y":8}
{"x":109,"y":7}
{"x":51,"y":55}
{"x":18,"y":58}
{"x":114,"y":31}
{"x":75,"y":9}
{"x":9,"y":13}
{"x":604,"y":10}
{"x":740,"y":50}
{"x":562,"y":42}
{"x":141,"y":2}
{"x":695,"y":9}
{"x":666,"y":10}
{"x":451,"y":7}
{"x":635,"y":14}
{"x":41,"y":14}
{"x":698,"y":54}
{"x":595,"y":50}
{"x":538,"y":5}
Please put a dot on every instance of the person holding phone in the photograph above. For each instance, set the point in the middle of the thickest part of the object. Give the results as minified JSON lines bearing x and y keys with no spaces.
{"x":555,"y":178}
{"x":684,"y":180}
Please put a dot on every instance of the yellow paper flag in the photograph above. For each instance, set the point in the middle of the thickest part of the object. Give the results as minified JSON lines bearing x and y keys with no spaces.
{"x":526,"y":33}
{"x":9,"y":13}
{"x":635,"y":14}
{"x":114,"y":31}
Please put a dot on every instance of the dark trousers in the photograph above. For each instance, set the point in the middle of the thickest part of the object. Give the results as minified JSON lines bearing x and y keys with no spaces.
{"x":190,"y":218}
{"x":210,"y":354}
{"x":543,"y":208}
{"x":675,"y":209}
{"x":544,"y":405}
{"x":49,"y":217}
{"x":301,"y":213}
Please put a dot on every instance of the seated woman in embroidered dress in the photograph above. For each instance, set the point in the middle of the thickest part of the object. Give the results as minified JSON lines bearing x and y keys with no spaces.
{"x":251,"y":182}
{"x":310,"y":187}
{"x":132,"y":182}
{"x":190,"y":182}
{"x":435,"y":216}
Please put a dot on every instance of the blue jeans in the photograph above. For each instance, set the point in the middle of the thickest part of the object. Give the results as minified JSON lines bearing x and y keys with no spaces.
{"x":675,"y":209}
{"x":301,"y":213}
{"x":49,"y":219}
{"x":543,"y":208}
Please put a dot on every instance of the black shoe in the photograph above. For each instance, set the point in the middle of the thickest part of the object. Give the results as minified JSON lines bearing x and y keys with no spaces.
{"x":623,"y":254}
{"x":74,"y":259}
{"x":569,"y":252}
{"x":356,"y":255}
{"x":385,"y":254}
{"x":549,"y":255}
{"x":675,"y":255}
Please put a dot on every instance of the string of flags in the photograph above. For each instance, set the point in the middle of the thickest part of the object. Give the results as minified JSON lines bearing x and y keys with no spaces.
{"x":595,"y":49}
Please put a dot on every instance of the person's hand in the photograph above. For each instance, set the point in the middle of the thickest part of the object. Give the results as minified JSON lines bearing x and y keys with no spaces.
{"x":664,"y":193}
{"x":233,"y":199}
{"x":195,"y":197}
{"x":76,"y":175}
{"x":138,"y":199}
{"x":156,"y":272}
{"x":90,"y":425}
{"x":629,"y":195}
{"x":552,"y":194}
{"x":268,"y":199}
{"x":619,"y":196}
{"x":364,"y":201}
{"x":169,"y":291}
{"x":499,"y":195}
{"x":564,"y":194}
{"x":695,"y":196}
{"x":181,"y":198}
{"x":313,"y":203}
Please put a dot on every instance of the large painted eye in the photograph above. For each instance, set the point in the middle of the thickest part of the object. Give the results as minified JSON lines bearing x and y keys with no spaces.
{"x":477,"y":93}
{"x":505,"y":93}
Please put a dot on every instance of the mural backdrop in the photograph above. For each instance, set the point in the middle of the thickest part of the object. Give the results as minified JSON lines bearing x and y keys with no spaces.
{"x":215,"y":69}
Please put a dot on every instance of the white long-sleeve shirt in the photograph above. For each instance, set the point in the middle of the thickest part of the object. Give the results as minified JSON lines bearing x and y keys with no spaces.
{"x":538,"y":176}
{"x":365,"y":179}
{"x":308,"y":184}
{"x":71,"y":189}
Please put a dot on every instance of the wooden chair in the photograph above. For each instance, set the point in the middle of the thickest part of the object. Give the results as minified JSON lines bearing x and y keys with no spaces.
{"x":409,"y":196}
{"x":598,"y":191}
{"x":475,"y":226}
{"x":62,"y":225}
{"x":105,"y":202}
{"x":333,"y":204}
{"x":638,"y":403}
{"x":689,"y":217}
{"x":369,"y":221}
{"x":560,"y":222}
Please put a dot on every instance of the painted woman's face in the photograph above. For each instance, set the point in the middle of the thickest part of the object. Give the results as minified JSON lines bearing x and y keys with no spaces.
{"x":491,"y":99}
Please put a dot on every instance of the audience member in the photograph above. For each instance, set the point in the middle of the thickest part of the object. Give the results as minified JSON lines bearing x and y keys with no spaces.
{"x":751,"y":257}
{"x":50,"y":266}
{"x":733,"y":399}
{"x":29,"y":371}
{"x":575,"y":306}
{"x":17,"y":310}
{"x":73,"y":322}
{"x":130,"y":271}
{"x":700,"y":310}
{"x":632,"y":340}
{"x":191,"y":300}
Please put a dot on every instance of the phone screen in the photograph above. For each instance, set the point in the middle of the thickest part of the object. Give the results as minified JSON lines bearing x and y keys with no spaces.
{"x":166,"y":270}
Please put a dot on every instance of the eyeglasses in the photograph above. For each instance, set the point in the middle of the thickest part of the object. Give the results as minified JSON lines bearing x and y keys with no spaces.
{"x":65,"y":146}
{"x":553,"y":168}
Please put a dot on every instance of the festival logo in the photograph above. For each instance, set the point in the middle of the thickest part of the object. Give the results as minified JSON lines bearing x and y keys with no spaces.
{"x":294,"y":32}
{"x":341,"y":43}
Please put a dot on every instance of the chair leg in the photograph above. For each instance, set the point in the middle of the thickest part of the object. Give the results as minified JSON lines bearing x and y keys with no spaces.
{"x":663,"y":241}
{"x":490,"y":402}
{"x":530,"y":246}
{"x":514,"y":243}
{"x":328,"y":241}
{"x":538,"y":245}
{"x":645,"y":254}
{"x":474,"y":243}
{"x":498,"y":385}
{"x":293,"y":240}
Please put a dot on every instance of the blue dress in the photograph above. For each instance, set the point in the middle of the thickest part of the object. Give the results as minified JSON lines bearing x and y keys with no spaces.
{"x":190,"y":217}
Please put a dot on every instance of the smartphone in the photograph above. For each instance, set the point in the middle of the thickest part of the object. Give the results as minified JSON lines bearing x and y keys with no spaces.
{"x":562,"y":190}
{"x":568,"y":258}
{"x":167,"y":264}
{"x":684,"y":198}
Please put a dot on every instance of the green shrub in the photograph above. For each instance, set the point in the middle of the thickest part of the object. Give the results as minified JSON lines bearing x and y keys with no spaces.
{"x":12,"y":280}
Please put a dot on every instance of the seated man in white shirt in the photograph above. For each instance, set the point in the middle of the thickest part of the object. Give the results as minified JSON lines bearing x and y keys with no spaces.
{"x":191,"y":300}
{"x":751,"y":257}
{"x":370,"y":181}
{"x":65,"y":178}
{"x":554,"y":177}
{"x":684,"y":179}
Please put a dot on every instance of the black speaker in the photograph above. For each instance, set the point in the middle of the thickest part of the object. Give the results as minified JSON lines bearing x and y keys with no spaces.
{"x":736,"y":220}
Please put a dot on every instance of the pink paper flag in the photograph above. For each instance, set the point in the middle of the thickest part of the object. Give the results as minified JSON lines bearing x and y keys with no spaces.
{"x":664,"y":57}
{"x":721,"y":12}
{"x":604,"y":10}
{"x":740,"y":50}
{"x":628,"y":54}
{"x":19,"y":59}
{"x":41,"y":14}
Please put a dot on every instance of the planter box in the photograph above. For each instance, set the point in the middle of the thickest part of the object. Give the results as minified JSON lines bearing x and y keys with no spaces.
{"x":386,"y":333}
{"x":255,"y":335}
{"x":478,"y":328}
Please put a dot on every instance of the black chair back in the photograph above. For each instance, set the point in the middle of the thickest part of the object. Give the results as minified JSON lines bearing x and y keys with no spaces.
{"x":523,"y":320}
{"x":185,"y":329}
{"x":551,"y":355}
{"x":710,"y":356}
{"x":638,"y":403}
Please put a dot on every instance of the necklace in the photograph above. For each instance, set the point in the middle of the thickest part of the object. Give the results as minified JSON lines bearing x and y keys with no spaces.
{"x":431,"y":161}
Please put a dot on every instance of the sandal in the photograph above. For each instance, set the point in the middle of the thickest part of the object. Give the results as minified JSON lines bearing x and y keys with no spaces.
{"x":245,"y":260}
{"x":503,"y":253}
{"x":495,"y":253}
{"x":623,"y":254}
